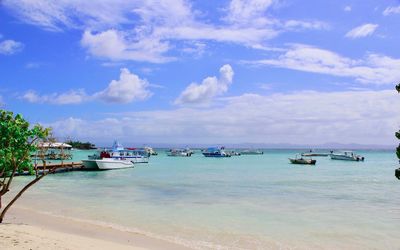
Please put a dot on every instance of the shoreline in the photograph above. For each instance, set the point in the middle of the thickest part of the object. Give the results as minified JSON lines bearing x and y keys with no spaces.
{"x":26,"y":229}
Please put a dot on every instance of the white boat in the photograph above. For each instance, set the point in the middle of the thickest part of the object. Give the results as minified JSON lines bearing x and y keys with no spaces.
{"x":251,"y":152}
{"x":90,"y":165}
{"x":346,"y":156}
{"x":179,"y":152}
{"x":113,"y":163}
{"x":150,"y":151}
{"x":134,"y":155}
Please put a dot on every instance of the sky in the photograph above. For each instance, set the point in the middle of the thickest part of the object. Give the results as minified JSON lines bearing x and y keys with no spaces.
{"x":204,"y":72}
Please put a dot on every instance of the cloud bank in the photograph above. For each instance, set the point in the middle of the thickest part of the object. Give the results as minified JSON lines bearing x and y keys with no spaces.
{"x":149,"y":30}
{"x":372,"y":69}
{"x":307,"y":117}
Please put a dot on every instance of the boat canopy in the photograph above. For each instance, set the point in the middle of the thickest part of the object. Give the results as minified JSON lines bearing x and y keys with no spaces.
{"x":54,"y":145}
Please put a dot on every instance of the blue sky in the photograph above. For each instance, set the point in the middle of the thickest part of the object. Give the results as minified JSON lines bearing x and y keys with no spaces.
{"x":179,"y":71}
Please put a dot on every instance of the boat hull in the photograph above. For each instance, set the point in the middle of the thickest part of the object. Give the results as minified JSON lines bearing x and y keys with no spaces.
{"x":113,"y":164}
{"x":90,"y":165}
{"x":134,"y":159}
{"x":215,"y":155}
{"x":315,"y":154}
{"x":303,"y":161}
{"x":346,"y":158}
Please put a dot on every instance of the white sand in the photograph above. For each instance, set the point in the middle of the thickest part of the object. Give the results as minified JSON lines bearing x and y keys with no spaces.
{"x":24,"y":229}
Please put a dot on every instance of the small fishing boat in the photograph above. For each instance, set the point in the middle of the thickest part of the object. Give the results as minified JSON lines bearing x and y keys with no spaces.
{"x":302,"y":160}
{"x":150,"y":150}
{"x":313,"y":153}
{"x":179,"y":152}
{"x":346,"y":156}
{"x":251,"y":152}
{"x":215,"y":152}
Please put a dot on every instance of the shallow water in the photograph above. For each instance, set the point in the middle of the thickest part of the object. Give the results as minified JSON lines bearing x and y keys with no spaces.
{"x":243,"y":202}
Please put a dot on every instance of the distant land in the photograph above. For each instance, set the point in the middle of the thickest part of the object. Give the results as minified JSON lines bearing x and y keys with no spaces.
{"x":332,"y":145}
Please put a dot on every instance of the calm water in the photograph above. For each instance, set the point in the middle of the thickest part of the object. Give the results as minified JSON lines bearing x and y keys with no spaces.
{"x":243,"y":202}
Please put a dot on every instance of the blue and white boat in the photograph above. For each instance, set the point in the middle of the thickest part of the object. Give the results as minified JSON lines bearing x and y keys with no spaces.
{"x":215,"y":152}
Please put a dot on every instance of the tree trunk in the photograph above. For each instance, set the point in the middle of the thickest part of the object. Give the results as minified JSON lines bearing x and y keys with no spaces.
{"x":21,"y":192}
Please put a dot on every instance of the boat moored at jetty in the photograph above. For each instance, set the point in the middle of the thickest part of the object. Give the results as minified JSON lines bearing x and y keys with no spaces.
{"x":215,"y":152}
{"x":346,"y":156}
{"x":114,"y":163}
{"x":90,"y":164}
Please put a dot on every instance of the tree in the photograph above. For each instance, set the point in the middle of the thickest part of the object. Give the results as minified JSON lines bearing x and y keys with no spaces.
{"x":17,"y":141}
{"x":397,"y":134}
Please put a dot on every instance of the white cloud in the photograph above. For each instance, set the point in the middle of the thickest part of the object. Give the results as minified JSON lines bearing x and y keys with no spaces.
{"x":208,"y":89}
{"x":146,"y":30}
{"x":391,"y":10}
{"x":306,"y":117}
{"x":128,"y":88}
{"x":373,"y":68}
{"x":70,"y":97}
{"x":9,"y":47}
{"x":112,"y":44}
{"x":347,"y":8}
{"x":362,"y":30}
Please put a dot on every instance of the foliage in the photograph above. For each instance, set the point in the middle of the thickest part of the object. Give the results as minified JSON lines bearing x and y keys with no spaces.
{"x":81,"y":145}
{"x":17,"y":141}
{"x":397,"y":134}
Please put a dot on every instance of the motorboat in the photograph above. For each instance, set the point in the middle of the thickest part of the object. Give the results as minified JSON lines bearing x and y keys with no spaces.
{"x":313,"y":153}
{"x":136,"y":156}
{"x":302,"y":160}
{"x":179,"y":152}
{"x":215,"y":152}
{"x":114,"y":163}
{"x":90,"y":164}
{"x":251,"y":152}
{"x":150,"y":151}
{"x":346,"y":156}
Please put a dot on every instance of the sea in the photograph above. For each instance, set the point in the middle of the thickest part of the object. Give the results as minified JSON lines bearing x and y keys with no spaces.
{"x":241,"y":202}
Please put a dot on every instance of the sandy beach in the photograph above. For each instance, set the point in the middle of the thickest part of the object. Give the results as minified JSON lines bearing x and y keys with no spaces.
{"x":26,"y":229}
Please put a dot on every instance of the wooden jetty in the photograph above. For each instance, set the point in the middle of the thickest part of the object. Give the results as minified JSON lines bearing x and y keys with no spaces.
{"x":62,"y":167}
{"x":59,"y":167}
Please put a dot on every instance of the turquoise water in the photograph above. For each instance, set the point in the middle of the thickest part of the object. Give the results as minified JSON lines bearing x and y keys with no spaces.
{"x":243,"y":202}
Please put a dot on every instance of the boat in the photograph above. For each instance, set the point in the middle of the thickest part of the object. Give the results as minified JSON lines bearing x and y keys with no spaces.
{"x":302,"y":160}
{"x":114,"y":163}
{"x":90,"y":164}
{"x":215,"y":152}
{"x":179,"y":152}
{"x":251,"y":152}
{"x":346,"y":156}
{"x":313,"y":153}
{"x":150,"y":151}
{"x":234,"y":153}
{"x":136,"y":155}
